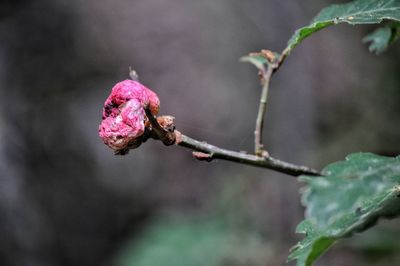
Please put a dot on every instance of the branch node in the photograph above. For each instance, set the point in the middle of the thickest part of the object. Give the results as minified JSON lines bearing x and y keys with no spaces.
{"x":165,"y":131}
{"x":178,"y":137}
{"x":201,"y":156}
{"x":265,"y":154}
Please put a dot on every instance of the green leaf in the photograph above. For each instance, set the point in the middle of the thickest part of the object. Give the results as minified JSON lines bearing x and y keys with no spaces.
{"x":355,"y":12}
{"x":382,"y":37}
{"x":350,"y":197}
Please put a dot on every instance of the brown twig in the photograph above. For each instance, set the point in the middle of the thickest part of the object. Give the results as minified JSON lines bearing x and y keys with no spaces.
{"x":207,"y":152}
{"x":167,"y":137}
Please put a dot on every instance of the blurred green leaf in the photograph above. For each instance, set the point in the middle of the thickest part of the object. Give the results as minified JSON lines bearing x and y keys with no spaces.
{"x":193,"y":243}
{"x":379,"y":39}
{"x":350,"y":197}
{"x":382,"y":38}
{"x":257,"y":60}
{"x":355,"y":12}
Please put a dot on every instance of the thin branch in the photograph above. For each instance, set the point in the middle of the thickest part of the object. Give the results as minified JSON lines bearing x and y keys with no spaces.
{"x":266,"y":72}
{"x":281,"y":59}
{"x":167,"y":137}
{"x":258,"y":132}
{"x":207,"y":152}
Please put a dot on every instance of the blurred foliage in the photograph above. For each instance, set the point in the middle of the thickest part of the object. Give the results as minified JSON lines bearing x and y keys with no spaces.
{"x":382,"y":37}
{"x":378,"y":245}
{"x":194,"y":242}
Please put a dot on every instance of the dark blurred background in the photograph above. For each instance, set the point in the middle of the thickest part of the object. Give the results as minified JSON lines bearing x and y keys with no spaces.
{"x":65,"y":199}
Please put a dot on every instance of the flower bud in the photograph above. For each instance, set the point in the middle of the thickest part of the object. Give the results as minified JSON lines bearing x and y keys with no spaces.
{"x":123,"y":114}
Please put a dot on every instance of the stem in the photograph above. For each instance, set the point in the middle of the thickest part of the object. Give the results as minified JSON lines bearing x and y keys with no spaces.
{"x":258,"y":132}
{"x":210,"y":152}
{"x":281,"y":59}
{"x":273,"y":66}
{"x":168,"y":138}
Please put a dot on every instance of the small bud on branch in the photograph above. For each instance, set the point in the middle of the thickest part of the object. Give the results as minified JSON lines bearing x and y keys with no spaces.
{"x":123,"y":114}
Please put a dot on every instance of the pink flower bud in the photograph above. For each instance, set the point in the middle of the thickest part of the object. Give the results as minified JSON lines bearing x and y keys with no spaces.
{"x":154,"y":102}
{"x":123,"y":114}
